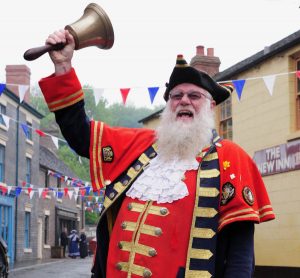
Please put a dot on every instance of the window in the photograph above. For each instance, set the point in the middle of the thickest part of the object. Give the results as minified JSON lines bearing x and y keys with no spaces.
{"x":28,"y":170}
{"x":29,"y":131}
{"x":298,"y":98}
{"x":58,"y":182}
{"x":27,"y":230}
{"x":2,"y":163}
{"x":2,"y":111}
{"x":46,"y":178}
{"x":46,"y":231}
{"x":226,"y":119}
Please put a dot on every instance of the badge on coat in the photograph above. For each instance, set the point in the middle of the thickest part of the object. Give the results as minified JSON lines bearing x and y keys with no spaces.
{"x":228,"y":192}
{"x":248,"y":196}
{"x":107,"y":154}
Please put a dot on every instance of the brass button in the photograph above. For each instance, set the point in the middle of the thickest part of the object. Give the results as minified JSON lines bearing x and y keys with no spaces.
{"x":124,"y":225}
{"x":152,"y":252}
{"x":111,"y":195}
{"x":120,"y":245}
{"x":125,"y":182}
{"x":163,"y":211}
{"x":157,"y":231}
{"x":129,"y":206}
{"x":152,"y":155}
{"x":137,"y":167}
{"x":147,"y":273}
{"x":118,"y":266}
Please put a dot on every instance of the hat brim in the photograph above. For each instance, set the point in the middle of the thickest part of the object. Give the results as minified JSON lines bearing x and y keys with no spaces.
{"x":191,"y":75}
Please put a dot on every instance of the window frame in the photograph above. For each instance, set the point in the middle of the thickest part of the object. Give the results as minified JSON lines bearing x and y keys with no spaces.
{"x":2,"y":163}
{"x":27,"y":230}
{"x":225,"y":119}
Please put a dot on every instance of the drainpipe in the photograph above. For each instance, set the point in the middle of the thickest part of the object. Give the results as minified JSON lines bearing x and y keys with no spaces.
{"x":17,"y":178}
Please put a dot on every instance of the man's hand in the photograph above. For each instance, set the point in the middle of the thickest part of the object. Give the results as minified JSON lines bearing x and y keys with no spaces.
{"x":62,"y":58}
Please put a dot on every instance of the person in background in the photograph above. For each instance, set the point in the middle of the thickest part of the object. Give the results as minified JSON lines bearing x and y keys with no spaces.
{"x":73,"y":244}
{"x":83,"y":248}
{"x":64,"y":240}
{"x":179,"y":201}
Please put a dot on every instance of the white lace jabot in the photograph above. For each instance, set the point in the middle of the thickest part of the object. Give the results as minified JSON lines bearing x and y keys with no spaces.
{"x":162,"y":181}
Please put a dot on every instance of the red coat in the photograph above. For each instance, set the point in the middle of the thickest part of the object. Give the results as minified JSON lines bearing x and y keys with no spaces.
{"x":243,"y":196}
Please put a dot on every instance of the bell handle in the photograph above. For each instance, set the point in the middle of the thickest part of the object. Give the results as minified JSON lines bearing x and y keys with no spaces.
{"x":34,"y":53}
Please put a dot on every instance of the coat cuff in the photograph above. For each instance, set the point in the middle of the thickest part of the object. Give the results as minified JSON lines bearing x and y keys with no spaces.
{"x":61,"y":91}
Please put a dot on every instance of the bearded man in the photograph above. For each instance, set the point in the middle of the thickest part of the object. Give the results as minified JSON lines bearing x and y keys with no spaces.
{"x":179,"y":201}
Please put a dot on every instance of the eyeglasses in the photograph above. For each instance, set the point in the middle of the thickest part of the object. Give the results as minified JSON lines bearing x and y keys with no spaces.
{"x":192,"y":96}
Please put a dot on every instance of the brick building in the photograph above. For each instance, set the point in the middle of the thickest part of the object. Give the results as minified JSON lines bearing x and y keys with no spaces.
{"x":29,"y":225}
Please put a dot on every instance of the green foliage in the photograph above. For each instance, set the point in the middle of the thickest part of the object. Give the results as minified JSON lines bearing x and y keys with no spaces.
{"x":91,"y":218}
{"x":72,"y":161}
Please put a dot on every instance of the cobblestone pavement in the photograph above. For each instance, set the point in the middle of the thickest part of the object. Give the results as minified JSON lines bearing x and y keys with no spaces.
{"x":64,"y":268}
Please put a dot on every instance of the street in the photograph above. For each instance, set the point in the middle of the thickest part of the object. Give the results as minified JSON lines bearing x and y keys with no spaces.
{"x":65,"y":268}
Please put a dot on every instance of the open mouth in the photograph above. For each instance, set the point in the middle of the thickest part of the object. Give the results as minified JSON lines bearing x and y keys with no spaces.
{"x":185,"y":114}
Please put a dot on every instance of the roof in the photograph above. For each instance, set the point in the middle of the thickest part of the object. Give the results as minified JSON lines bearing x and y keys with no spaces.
{"x":50,"y":161}
{"x":259,"y":57}
{"x":25,"y":105}
{"x":151,"y":116}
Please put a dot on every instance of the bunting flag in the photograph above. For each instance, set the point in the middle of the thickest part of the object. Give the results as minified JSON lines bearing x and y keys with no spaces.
{"x":25,"y":129}
{"x":31,"y":194}
{"x":269,"y":82}
{"x":45,"y":193}
{"x":2,"y":87}
{"x":18,"y":191}
{"x":6,"y":120}
{"x":98,"y":93}
{"x":40,"y":191}
{"x":55,"y":141}
{"x":82,"y":192}
{"x":152,"y":93}
{"x":22,"y":91}
{"x":70,"y":193}
{"x":40,"y":133}
{"x":9,"y":188}
{"x":66,"y":190}
{"x":298,"y":74}
{"x":76,"y":190}
{"x":124,"y":93}
{"x":29,"y":189}
{"x":60,"y":194}
{"x":239,"y":85}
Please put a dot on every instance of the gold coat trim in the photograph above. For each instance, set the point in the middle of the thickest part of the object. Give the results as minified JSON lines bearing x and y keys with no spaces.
{"x":136,"y":234}
{"x":211,"y":156}
{"x":203,"y":233}
{"x":137,"y":248}
{"x":203,"y":254}
{"x":208,"y":192}
{"x":213,"y":173}
{"x":149,"y":230}
{"x":197,"y":274}
{"x":135,"y":269}
{"x":205,"y":212}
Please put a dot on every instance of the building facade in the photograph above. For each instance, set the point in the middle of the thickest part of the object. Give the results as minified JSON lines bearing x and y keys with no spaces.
{"x":264,"y":119}
{"x":30,"y":225}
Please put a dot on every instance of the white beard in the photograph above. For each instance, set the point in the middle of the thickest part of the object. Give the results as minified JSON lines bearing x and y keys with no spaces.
{"x":184,"y":140}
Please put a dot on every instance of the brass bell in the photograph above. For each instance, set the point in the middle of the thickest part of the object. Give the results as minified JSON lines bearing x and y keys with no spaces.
{"x":92,"y":29}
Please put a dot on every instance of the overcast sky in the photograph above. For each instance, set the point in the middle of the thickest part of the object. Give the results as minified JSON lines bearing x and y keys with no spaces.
{"x":148,"y":36}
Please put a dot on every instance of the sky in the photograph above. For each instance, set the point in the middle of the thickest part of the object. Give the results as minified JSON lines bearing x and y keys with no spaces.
{"x":148,"y":36}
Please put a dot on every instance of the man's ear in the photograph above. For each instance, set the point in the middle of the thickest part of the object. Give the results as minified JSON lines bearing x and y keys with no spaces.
{"x":212,"y":104}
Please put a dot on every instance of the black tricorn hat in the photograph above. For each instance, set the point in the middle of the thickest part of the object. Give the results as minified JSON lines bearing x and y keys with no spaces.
{"x":183,"y":73}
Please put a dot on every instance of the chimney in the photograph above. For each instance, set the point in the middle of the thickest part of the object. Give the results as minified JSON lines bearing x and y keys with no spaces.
{"x":207,"y":63}
{"x":18,"y":75}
